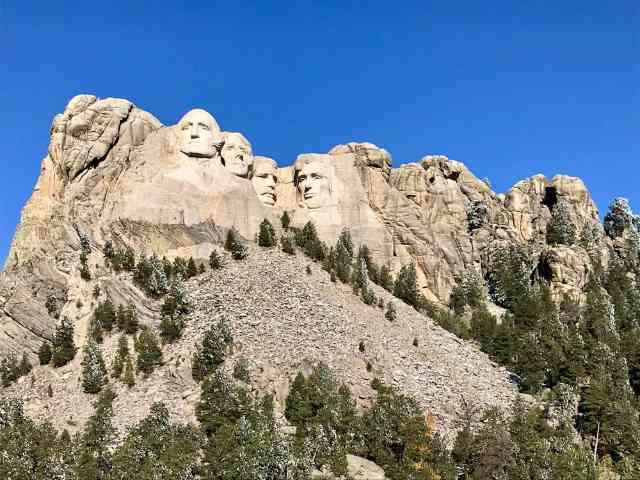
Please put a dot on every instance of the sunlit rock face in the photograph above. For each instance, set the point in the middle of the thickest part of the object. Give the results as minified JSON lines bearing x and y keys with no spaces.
{"x":199,"y":134}
{"x":236,"y":154}
{"x":314,"y":177}
{"x":265,"y":179}
{"x":114,"y":172}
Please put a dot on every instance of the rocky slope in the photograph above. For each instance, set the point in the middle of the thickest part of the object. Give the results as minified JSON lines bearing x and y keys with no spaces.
{"x":114,"y":173}
{"x":281,"y":333}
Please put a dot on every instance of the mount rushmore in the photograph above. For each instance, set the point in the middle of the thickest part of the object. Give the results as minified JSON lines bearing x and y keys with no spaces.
{"x":114,"y":173}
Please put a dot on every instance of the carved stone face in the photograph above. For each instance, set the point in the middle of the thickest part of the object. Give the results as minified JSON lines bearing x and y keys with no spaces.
{"x":264,"y":179}
{"x":237,"y":155}
{"x":314,"y":184}
{"x":199,"y":134}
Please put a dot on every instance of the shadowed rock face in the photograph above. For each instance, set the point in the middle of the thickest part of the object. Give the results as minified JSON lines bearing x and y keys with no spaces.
{"x":113,"y":172}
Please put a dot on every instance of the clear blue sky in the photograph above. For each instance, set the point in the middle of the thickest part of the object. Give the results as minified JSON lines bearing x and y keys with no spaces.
{"x":511,"y":88}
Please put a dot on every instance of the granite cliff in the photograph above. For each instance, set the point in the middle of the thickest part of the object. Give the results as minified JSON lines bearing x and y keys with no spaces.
{"x":114,"y":173}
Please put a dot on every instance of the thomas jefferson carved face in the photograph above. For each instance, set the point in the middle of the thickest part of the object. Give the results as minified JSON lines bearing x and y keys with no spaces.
{"x":199,"y":134}
{"x":313,"y":181}
{"x":264,"y":179}
{"x":236,"y":154}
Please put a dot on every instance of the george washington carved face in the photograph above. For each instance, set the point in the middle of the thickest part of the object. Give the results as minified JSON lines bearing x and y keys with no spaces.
{"x":313,"y":179}
{"x":199,"y":134}
{"x":264,"y":179}
{"x":236,"y":154}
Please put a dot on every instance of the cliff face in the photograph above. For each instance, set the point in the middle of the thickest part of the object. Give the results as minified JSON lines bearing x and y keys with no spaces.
{"x":113,"y":172}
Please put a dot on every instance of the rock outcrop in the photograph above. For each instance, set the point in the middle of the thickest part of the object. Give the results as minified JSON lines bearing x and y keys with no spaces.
{"x":114,"y":173}
{"x":290,"y":322}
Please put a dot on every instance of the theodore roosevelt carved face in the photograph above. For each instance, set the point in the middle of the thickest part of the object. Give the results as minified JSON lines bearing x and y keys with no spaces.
{"x":313,"y":179}
{"x":199,"y":134}
{"x":236,"y":154}
{"x":264,"y":179}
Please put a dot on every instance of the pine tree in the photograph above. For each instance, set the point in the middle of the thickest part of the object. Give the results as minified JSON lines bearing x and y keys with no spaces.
{"x":297,"y":406}
{"x":215,"y":262}
{"x":267,"y":235}
{"x":129,"y":375}
{"x":222,"y":402}
{"x":93,"y":448}
{"x":360,"y":275}
{"x":64,"y":348}
{"x":561,"y":230}
{"x":385,"y":278}
{"x":149,"y":353}
{"x":173,"y":313}
{"x":121,"y":358}
{"x":85,"y":273}
{"x":128,"y":260}
{"x":405,"y":286}
{"x":391,"y":313}
{"x":157,"y":283}
{"x":25,"y":367}
{"x":241,"y":370}
{"x":157,"y":449}
{"x":309,"y":242}
{"x":44,"y":353}
{"x":620,"y":218}
{"x":94,"y":372}
{"x":192,"y":269}
{"x":179,"y":268}
{"x":9,"y":370}
{"x":287,"y":245}
{"x":108,"y":251}
{"x":476,"y":215}
{"x":509,"y":274}
{"x":344,"y":256}
{"x":171,"y":328}
{"x":285,"y":220}
{"x":235,"y":245}
{"x":211,"y":353}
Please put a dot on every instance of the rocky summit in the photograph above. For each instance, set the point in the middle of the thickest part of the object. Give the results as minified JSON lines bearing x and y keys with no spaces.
{"x":114,"y":175}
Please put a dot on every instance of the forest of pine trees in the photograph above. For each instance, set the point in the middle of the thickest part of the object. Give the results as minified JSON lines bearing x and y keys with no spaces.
{"x":581,"y":361}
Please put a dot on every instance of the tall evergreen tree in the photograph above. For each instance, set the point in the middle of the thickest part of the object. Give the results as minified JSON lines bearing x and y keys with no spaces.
{"x":344,"y":256}
{"x":64,"y":348}
{"x":44,"y":353}
{"x":405,"y":286}
{"x":561,"y":230}
{"x":121,"y":358}
{"x":215,"y":262}
{"x":285,"y":220}
{"x":94,"y":372}
{"x":212,"y":351}
{"x":93,"y":450}
{"x":149,"y":353}
{"x":267,"y":235}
